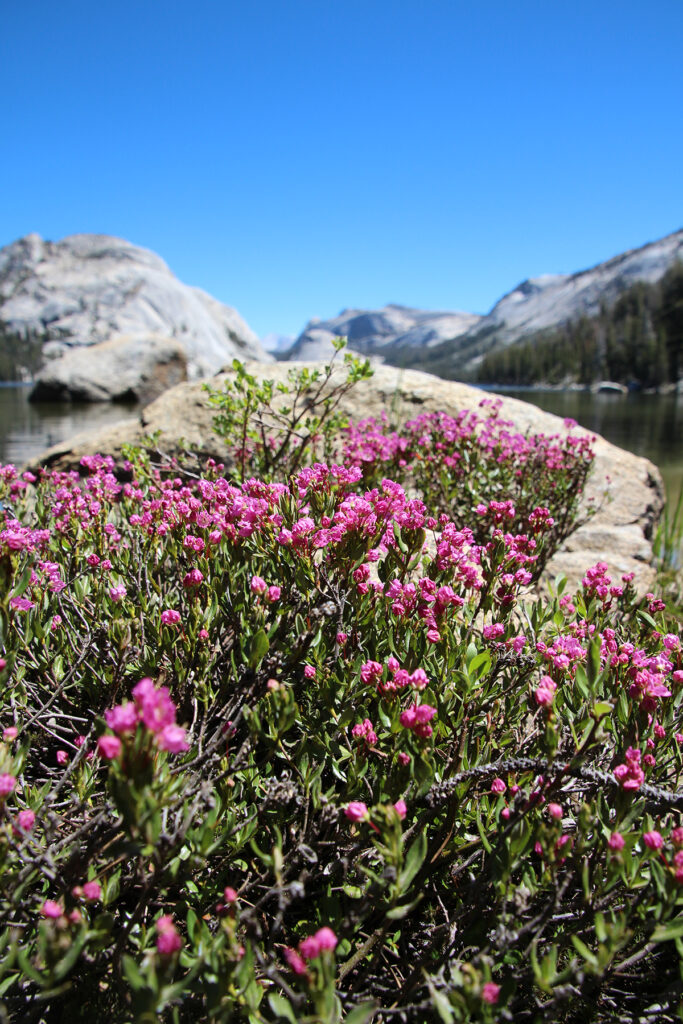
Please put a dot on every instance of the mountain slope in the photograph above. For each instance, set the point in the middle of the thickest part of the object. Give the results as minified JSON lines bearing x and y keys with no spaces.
{"x":386,"y":332}
{"x":86,"y":289}
{"x":454,"y":344}
{"x":548,"y":302}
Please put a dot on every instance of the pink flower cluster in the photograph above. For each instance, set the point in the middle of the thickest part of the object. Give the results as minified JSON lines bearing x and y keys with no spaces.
{"x":394,"y":678}
{"x":364,"y":732}
{"x":153,"y":708}
{"x":310,"y":948}
{"x":417,"y":719}
{"x":630,"y":775}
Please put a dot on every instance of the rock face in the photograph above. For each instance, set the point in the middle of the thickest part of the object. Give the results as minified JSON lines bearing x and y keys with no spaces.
{"x":453,"y":344}
{"x":618,"y":534}
{"x":125,"y":368}
{"x":387,"y":332}
{"x":87,"y":289}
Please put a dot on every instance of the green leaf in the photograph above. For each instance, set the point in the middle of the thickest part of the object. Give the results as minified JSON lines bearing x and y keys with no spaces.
{"x":593,"y":661}
{"x":413,"y":861}
{"x":398,"y":913}
{"x":132,"y":972}
{"x":361,"y":1014}
{"x":583,"y":950}
{"x":258,"y":648}
{"x":281,"y":1007}
{"x":670,"y":930}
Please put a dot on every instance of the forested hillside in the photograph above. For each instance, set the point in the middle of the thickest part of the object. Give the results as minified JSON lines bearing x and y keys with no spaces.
{"x":637,"y":340}
{"x":20,"y":354}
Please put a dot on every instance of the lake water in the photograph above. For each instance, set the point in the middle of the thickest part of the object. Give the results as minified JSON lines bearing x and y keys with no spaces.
{"x":27,"y":429}
{"x":649,"y":425}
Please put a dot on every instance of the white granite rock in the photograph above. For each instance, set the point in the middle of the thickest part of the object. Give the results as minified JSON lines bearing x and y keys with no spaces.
{"x":124,"y":368}
{"x":86,"y":289}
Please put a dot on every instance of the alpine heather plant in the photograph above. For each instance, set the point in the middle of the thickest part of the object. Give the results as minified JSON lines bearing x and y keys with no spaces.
{"x":319,"y":759}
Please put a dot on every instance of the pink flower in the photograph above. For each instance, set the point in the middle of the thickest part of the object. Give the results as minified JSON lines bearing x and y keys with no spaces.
{"x":356,"y":810}
{"x":51,"y":909}
{"x":326,"y":938}
{"x":401,"y":809}
{"x":555,"y":811}
{"x":653,"y":840}
{"x":168,"y":940}
{"x":173,"y":739}
{"x":490,"y":992}
{"x":117,"y":593}
{"x":403,"y":758}
{"x":109,"y":747}
{"x":545,"y":693}
{"x":295,"y":961}
{"x":230,"y":894}
{"x":170,"y":617}
{"x":25,"y":821}
{"x":498,"y":786}
{"x":258,"y":585}
{"x":193,"y":578}
{"x":273,"y":594}
{"x":616,"y":841}
{"x":309,"y":948}
{"x":10,"y":733}
{"x":314,"y":945}
{"x":309,"y":672}
{"x":122,"y":718}
{"x":92,"y":891}
{"x":155,"y":706}
{"x":7,"y":784}
{"x":62,"y":757}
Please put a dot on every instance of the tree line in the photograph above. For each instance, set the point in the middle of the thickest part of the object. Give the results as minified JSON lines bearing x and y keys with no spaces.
{"x":21,"y":353}
{"x":638,"y":340}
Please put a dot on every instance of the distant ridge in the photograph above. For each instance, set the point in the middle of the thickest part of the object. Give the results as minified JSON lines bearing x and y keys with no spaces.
{"x":453,"y":344}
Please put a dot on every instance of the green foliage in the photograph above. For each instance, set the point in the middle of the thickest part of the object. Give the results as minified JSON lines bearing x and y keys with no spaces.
{"x":638,"y":339}
{"x":276,"y":428}
{"x":301,"y":846}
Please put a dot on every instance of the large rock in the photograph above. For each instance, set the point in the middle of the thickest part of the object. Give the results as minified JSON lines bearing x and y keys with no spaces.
{"x":125,"y":368}
{"x":89,"y":288}
{"x":627,"y":489}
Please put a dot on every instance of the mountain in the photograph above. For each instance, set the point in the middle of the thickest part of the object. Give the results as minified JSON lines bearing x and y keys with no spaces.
{"x":277,"y":343}
{"x":386,"y":332}
{"x":88,"y":289}
{"x":454,"y":344}
{"x":548,"y":302}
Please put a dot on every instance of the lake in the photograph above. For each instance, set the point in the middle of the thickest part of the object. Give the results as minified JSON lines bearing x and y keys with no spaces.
{"x":27,"y":429}
{"x":649,"y":425}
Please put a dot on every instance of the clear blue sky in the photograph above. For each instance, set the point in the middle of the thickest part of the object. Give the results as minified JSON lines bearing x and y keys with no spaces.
{"x":295,"y":158}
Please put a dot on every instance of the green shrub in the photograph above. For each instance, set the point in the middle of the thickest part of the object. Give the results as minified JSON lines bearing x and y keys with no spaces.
{"x":299,"y":749}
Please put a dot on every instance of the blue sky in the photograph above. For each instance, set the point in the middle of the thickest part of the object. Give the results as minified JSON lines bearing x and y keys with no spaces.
{"x":298,"y":158}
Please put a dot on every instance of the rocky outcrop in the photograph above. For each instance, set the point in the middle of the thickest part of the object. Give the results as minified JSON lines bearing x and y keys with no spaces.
{"x":626,"y":489}
{"x":87,"y":289}
{"x":130,"y":368}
